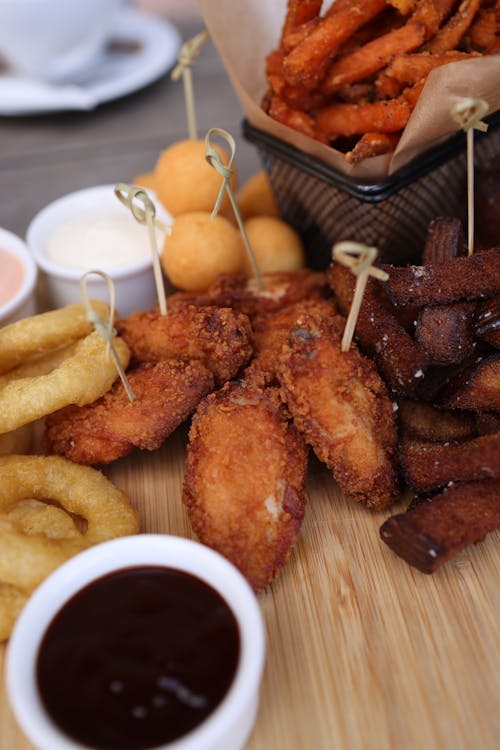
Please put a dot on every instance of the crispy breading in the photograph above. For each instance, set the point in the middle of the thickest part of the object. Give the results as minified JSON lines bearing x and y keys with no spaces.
{"x":445,"y":240}
{"x":488,"y":321}
{"x":272,"y":330}
{"x":341,"y":406}
{"x":400,"y":360}
{"x":432,"y":532}
{"x":446,"y":332}
{"x":242,"y":294}
{"x":166,"y":392}
{"x":423,"y":421}
{"x":244,"y":486}
{"x":220,"y":338}
{"x":453,"y":280}
{"x":476,"y":387}
{"x":428,"y":466}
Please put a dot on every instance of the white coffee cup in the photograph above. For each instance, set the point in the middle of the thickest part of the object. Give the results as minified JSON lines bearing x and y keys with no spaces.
{"x":55,"y":40}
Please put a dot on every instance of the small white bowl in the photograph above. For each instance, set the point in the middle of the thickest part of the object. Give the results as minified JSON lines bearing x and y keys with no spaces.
{"x":134,"y":282}
{"x":229,"y":725}
{"x":23,"y":303}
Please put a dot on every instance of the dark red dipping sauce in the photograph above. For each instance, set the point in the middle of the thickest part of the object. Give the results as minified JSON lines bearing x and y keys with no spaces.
{"x":137,"y":658}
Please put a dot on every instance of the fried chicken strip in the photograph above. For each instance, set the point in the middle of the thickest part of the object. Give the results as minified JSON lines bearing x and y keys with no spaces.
{"x":166,"y":394}
{"x":220,"y":338}
{"x":341,"y":406}
{"x":244,"y":486}
{"x":272,"y":331}
{"x":243,"y":295}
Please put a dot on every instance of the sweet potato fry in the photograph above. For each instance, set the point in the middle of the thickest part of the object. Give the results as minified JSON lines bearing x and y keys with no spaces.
{"x":450,"y":35}
{"x":372,"y":144}
{"x":431,"y":13}
{"x":446,"y":333}
{"x":300,"y":12}
{"x":306,"y":63}
{"x":425,"y":422}
{"x":399,"y":359}
{"x":428,"y":466}
{"x":297,"y":35}
{"x":432,"y":532}
{"x":373,"y":56}
{"x":466,"y":278}
{"x":295,"y":118}
{"x":404,"y":6}
{"x":407,"y":70}
{"x":445,"y":240}
{"x":477,"y":387}
{"x":296,"y":97}
{"x":485,"y":31}
{"x":388,"y":116}
{"x":488,"y":321}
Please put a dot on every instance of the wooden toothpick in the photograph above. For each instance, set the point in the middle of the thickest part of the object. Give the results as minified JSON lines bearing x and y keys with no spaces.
{"x":187,"y":56}
{"x":359,"y":259}
{"x":468,"y":113}
{"x":225,"y":170}
{"x":107,"y":332}
{"x":132,"y":197}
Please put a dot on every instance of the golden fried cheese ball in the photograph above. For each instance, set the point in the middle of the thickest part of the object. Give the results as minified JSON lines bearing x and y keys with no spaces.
{"x":145,"y":180}
{"x":185,"y":182}
{"x":275,"y":244}
{"x":256,"y":197}
{"x":199,"y":249}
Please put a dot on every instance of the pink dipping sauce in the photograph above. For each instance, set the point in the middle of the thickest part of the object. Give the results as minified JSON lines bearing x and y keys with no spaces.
{"x":11,"y":276}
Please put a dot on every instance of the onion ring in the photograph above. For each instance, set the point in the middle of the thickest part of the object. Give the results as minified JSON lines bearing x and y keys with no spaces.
{"x":80,"y":379}
{"x":27,"y":558}
{"x":39,"y":333}
{"x":17,"y":441}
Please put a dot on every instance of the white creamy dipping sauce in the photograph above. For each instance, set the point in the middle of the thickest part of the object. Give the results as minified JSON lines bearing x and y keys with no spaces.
{"x":98,"y":241}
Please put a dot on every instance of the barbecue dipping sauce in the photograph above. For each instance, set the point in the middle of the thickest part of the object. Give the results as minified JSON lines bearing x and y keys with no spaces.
{"x":137,"y":658}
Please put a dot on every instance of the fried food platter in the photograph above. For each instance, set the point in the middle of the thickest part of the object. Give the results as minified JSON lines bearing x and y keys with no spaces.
{"x":363,"y":651}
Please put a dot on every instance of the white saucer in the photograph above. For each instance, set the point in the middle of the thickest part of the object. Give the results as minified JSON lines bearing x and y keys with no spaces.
{"x":118,"y":73}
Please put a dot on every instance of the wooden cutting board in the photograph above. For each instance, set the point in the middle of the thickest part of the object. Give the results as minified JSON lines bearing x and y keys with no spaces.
{"x":362,"y":651}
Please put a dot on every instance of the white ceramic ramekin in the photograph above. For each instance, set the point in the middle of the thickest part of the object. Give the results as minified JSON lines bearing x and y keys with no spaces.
{"x":23,"y":303}
{"x":229,"y":725}
{"x":134,"y":282}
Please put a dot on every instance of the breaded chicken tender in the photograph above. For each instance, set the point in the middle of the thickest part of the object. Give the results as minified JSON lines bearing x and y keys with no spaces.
{"x":244,"y":485}
{"x":166,"y":394}
{"x":242,"y":294}
{"x":272,"y":331}
{"x":220,"y":338}
{"x":340,"y":405}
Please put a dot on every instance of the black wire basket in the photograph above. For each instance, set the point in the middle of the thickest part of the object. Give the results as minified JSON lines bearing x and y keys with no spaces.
{"x":326,"y":206}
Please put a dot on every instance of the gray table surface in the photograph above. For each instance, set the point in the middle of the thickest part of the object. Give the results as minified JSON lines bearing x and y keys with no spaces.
{"x":46,"y":156}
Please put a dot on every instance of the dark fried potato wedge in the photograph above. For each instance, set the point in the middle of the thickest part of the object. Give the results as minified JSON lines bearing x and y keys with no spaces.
{"x":463,"y":278}
{"x":434,"y":531}
{"x":445,"y":240}
{"x":400,"y":360}
{"x":425,"y":422}
{"x":428,"y":466}
{"x":487,"y":422}
{"x":446,"y":333}
{"x":477,"y":387}
{"x":488,"y":321}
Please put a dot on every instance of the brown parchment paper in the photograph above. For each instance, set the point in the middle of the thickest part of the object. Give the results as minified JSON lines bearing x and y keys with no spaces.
{"x":245,"y":31}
